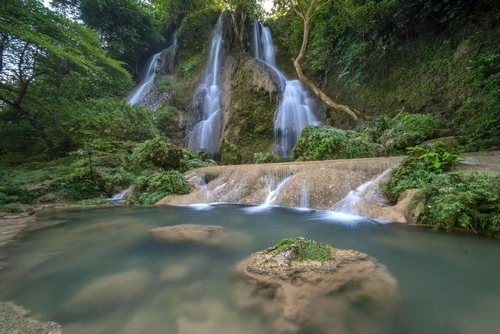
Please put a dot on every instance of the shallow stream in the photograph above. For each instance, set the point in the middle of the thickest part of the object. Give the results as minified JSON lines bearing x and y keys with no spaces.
{"x":99,"y":271}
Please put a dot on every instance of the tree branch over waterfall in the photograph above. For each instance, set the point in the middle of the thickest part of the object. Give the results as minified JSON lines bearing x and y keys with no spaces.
{"x":306,"y":10}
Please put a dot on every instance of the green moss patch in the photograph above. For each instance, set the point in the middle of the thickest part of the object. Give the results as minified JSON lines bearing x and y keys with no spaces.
{"x":306,"y":249}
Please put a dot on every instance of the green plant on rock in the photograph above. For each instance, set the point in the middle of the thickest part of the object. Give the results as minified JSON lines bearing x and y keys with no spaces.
{"x":266,"y":157}
{"x":230,"y":154}
{"x":326,"y":142}
{"x":306,"y":249}
{"x":164,"y":83}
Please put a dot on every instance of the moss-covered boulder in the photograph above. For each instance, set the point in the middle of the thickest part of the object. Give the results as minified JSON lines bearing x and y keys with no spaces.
{"x":302,"y":285}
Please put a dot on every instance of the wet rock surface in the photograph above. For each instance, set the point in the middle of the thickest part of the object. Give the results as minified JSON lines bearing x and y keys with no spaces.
{"x":351,"y":293}
{"x":326,"y":182}
{"x":15,"y":319}
{"x":202,"y":234}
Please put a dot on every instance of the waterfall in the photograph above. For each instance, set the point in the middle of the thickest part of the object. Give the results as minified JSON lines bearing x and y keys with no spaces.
{"x":368,"y":192}
{"x":206,"y":134}
{"x":304,"y":197}
{"x":257,"y":53}
{"x":138,"y":94}
{"x":296,"y":108}
{"x":121,"y":195}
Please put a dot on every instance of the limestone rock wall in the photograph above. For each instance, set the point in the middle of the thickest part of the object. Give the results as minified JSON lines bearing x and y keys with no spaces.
{"x":325,"y":182}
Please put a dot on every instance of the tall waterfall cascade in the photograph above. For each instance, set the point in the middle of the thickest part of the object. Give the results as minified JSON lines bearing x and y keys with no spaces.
{"x":296,"y":108}
{"x":207,"y":133}
{"x":143,"y":88}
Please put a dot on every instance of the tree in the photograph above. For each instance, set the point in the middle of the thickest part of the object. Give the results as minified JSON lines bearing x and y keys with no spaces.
{"x":47,"y":62}
{"x":129,"y":29}
{"x":306,"y":10}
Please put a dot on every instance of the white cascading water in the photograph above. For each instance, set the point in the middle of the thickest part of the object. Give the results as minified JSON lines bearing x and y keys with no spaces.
{"x":366,"y":192}
{"x":138,"y":94}
{"x":206,"y":134}
{"x":296,"y":108}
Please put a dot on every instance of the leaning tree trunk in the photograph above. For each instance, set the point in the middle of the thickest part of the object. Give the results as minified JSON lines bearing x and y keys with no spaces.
{"x":306,"y":17}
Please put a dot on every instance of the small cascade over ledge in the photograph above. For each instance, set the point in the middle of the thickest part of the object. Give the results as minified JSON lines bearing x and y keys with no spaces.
{"x":143,"y":88}
{"x":206,"y":133}
{"x":296,"y":108}
{"x":160,"y":64}
{"x":323,"y":185}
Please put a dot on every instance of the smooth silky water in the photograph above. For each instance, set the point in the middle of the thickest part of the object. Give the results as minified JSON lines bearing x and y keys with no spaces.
{"x":448,"y":283}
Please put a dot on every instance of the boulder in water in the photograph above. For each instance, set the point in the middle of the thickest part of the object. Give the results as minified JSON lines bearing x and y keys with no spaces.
{"x":301,"y":285}
{"x":202,"y":234}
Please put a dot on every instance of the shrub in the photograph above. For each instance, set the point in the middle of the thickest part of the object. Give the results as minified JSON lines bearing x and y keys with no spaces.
{"x":408,"y":130}
{"x":326,"y":142}
{"x":193,"y":32}
{"x":151,"y":187}
{"x":266,"y":157}
{"x":465,"y":200}
{"x":164,"y":83}
{"x":164,"y":119}
{"x":159,"y":152}
{"x":230,"y":154}
{"x":453,"y":199}
{"x":109,"y":119}
{"x":12,"y":207}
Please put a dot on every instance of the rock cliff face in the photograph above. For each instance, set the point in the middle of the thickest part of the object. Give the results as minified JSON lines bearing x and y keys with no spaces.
{"x":249,"y":105}
{"x":164,"y":68}
{"x":350,"y":293}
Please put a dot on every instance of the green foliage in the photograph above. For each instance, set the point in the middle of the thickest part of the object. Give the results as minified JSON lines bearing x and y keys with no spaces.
{"x":195,"y":30}
{"x":326,"y":142}
{"x":230,"y":154}
{"x":109,"y":119}
{"x":266,"y":157}
{"x":164,"y":83}
{"x":53,"y":63}
{"x":409,"y":130}
{"x":130,"y":29}
{"x":453,"y":199}
{"x":12,"y":208}
{"x":159,"y":152}
{"x":153,"y":186}
{"x":306,"y":249}
{"x":94,"y":201}
{"x":479,"y":116}
{"x":436,"y":156}
{"x":164,"y":118}
{"x":465,"y":200}
{"x":421,"y":167}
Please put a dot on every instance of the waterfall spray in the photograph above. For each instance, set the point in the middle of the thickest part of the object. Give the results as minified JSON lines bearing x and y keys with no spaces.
{"x":206,"y":134}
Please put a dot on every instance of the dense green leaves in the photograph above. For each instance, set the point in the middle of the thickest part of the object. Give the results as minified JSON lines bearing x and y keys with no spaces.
{"x":48,"y":63}
{"x":326,"y":142}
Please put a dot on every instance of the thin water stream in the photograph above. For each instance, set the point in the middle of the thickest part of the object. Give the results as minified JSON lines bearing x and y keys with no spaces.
{"x":101,"y":272}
